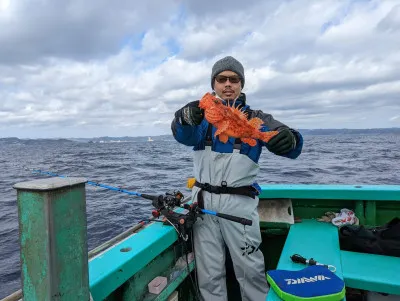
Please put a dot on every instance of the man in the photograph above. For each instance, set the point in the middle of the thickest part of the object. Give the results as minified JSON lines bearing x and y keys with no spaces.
{"x":217,"y":168}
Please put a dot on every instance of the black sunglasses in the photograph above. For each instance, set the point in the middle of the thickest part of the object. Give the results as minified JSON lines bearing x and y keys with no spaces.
{"x":222,"y":79}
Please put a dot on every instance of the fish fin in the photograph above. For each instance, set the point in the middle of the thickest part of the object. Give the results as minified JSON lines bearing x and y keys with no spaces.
{"x":256,"y":122}
{"x":238,"y":112}
{"x":266,"y":136}
{"x":221,"y":128}
{"x":249,"y":141}
{"x":223,"y":138}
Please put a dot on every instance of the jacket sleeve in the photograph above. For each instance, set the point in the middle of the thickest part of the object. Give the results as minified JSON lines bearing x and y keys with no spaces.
{"x":271,"y":124}
{"x":187,"y":134}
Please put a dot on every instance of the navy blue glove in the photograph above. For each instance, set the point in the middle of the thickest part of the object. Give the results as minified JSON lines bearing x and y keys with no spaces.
{"x":192,"y":115}
{"x":282,"y":143}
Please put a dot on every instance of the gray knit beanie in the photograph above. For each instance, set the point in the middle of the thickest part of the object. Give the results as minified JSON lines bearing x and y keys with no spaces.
{"x":227,"y":63}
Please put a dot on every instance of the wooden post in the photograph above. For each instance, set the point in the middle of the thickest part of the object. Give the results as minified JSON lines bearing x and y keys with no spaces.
{"x":53,"y":239}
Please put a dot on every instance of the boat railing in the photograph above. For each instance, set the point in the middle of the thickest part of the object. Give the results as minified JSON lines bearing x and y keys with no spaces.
{"x":53,"y":206}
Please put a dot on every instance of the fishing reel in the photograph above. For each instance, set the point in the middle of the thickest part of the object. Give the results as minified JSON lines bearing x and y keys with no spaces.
{"x":169,"y":201}
{"x":181,"y":217}
{"x":184,"y":217}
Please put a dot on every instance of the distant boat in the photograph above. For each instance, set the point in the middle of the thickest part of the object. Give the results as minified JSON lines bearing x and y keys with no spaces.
{"x":150,"y":139}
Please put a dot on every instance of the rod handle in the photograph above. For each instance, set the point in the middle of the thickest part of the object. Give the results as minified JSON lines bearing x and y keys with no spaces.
{"x":241,"y":220}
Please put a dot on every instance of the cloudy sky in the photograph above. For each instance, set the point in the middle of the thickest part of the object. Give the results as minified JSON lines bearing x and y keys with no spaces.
{"x":92,"y":68}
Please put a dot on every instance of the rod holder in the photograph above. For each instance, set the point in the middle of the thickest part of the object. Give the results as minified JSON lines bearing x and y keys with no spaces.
{"x":53,"y":239}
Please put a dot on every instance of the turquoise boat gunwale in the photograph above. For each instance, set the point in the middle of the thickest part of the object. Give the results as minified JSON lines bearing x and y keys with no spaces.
{"x":327,"y":191}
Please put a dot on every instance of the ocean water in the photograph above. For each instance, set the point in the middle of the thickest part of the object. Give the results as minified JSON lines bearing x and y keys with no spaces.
{"x":162,"y":165}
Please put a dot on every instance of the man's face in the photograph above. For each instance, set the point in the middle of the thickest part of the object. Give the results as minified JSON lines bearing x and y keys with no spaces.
{"x":227,"y":85}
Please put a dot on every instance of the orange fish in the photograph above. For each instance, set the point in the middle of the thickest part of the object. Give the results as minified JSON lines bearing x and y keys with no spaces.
{"x":232,"y":122}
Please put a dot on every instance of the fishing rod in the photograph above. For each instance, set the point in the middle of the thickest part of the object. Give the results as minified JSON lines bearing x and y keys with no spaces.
{"x":90,"y":183}
{"x":164,"y":204}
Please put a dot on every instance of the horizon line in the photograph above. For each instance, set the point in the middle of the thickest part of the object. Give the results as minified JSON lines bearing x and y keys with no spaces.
{"x":299,"y":129}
